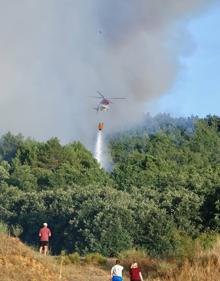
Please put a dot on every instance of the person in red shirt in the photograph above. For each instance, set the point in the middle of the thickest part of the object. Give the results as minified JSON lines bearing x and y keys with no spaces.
{"x":44,"y":235}
{"x":135,"y":272}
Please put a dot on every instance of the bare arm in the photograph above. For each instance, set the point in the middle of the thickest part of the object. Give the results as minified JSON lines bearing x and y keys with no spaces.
{"x":141,"y":276}
{"x":111,"y":274}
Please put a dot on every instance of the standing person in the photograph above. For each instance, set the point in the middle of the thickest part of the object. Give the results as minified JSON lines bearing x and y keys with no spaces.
{"x":116,"y":271}
{"x":135,"y":272}
{"x":44,"y":235}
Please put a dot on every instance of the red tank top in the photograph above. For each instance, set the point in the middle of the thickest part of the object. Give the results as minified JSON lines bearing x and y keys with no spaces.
{"x":135,"y":273}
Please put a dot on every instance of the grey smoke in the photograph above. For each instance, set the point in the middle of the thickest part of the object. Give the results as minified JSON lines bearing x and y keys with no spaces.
{"x":54,"y":54}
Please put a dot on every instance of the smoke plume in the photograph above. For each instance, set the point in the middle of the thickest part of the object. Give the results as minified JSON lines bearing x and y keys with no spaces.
{"x":55,"y":54}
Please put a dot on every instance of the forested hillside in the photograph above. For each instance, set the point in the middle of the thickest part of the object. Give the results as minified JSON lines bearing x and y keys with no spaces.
{"x":163,"y":192}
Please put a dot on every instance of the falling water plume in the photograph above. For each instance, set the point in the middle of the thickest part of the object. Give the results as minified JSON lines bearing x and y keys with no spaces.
{"x":99,"y":149}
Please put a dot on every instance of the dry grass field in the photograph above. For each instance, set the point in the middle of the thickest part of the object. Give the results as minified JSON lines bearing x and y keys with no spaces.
{"x":204,"y":266}
{"x":18,"y":262}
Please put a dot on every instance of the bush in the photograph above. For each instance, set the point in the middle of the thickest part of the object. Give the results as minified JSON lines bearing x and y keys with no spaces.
{"x":183,"y":246}
{"x":68,"y":259}
{"x":3,"y":227}
{"x":15,"y":230}
{"x":74,"y":258}
{"x":133,"y":254}
{"x":95,"y":258}
{"x":206,"y":240}
{"x":64,"y":260}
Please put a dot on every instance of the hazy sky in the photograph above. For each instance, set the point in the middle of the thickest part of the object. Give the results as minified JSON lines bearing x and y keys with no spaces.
{"x":55,"y":54}
{"x":197,"y":88}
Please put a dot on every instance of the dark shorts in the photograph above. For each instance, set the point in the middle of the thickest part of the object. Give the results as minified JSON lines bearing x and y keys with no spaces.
{"x":44,"y":243}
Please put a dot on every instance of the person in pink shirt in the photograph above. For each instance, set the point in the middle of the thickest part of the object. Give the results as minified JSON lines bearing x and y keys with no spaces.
{"x":44,"y":235}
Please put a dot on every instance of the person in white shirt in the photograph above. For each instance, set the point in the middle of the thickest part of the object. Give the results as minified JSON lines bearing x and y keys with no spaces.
{"x":116,"y":271}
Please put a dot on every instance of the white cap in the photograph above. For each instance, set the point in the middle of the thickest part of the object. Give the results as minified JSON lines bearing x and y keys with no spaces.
{"x":45,"y":224}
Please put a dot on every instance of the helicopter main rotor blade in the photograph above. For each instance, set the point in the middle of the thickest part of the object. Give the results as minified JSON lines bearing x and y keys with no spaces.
{"x":95,"y":97}
{"x":100,"y":94}
{"x":117,"y":98}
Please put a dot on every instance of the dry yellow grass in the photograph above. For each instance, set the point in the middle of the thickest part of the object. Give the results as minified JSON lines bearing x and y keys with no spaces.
{"x":90,"y":272}
{"x":205,"y":266}
{"x":18,"y":262}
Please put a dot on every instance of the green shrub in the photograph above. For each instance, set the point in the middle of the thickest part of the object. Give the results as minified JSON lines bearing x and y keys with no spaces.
{"x":64,"y":260}
{"x":95,"y":258}
{"x":74,"y":258}
{"x":133,"y":254}
{"x":183,"y":246}
{"x":3,"y":227}
{"x":206,"y":240}
{"x":16,"y":230}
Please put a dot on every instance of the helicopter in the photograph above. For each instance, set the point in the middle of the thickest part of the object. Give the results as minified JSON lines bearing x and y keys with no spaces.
{"x":104,"y":104}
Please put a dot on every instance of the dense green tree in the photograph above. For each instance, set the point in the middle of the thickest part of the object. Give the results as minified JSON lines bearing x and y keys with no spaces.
{"x":162,"y":192}
{"x":9,"y":145}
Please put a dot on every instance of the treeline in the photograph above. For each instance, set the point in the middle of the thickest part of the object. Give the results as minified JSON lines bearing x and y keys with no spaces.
{"x":163,"y":192}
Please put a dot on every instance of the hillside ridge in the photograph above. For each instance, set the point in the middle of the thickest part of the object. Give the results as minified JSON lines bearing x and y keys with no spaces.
{"x":19,"y":262}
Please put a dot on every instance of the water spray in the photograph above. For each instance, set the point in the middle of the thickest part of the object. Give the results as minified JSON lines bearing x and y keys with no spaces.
{"x":99,"y":145}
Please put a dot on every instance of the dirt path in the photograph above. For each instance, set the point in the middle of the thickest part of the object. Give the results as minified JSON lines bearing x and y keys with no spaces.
{"x":89,"y":272}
